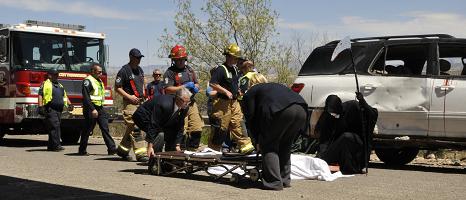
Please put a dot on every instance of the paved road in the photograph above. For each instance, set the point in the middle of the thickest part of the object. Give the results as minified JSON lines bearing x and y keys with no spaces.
{"x":27,"y":171}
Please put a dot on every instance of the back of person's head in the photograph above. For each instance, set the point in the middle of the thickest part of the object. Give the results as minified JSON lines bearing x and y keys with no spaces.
{"x":256,"y":79}
{"x":183,"y":93}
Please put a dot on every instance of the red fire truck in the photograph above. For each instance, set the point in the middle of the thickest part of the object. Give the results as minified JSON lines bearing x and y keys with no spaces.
{"x":27,"y":52}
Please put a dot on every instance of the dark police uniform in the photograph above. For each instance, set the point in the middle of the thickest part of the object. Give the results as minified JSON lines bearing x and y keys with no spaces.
{"x":162,"y":123}
{"x":193,"y":122}
{"x":132,"y":82}
{"x":53,"y":110}
{"x":274,"y":116}
{"x":102,"y":119}
{"x":227,"y":112}
{"x":155,"y":89}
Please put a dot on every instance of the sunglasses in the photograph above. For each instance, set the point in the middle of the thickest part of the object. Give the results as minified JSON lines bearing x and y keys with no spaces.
{"x":157,"y":74}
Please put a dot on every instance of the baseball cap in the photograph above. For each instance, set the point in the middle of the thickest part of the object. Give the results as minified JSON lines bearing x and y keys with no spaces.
{"x":53,"y":71}
{"x":136,"y":53}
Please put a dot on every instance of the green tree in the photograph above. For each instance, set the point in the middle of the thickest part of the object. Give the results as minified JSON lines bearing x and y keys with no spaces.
{"x":248,"y":23}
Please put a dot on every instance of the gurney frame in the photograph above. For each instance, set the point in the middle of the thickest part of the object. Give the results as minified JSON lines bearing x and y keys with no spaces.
{"x":167,"y":163}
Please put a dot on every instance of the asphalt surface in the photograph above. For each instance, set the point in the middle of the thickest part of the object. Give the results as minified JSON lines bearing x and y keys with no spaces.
{"x":28,"y":171}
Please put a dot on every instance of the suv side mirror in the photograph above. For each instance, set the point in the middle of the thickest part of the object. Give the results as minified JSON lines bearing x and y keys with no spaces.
{"x":3,"y":48}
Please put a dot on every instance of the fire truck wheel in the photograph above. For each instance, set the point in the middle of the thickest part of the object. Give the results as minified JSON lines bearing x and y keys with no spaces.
{"x":70,"y":136}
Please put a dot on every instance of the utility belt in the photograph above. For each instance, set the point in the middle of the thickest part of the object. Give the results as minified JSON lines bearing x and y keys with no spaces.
{"x":225,"y":97}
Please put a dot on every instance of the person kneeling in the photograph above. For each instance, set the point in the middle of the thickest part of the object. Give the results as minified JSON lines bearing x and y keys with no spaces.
{"x":342,"y":134}
{"x":162,"y":118}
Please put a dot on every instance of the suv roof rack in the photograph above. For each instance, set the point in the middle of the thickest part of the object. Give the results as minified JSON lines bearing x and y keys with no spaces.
{"x":395,"y":37}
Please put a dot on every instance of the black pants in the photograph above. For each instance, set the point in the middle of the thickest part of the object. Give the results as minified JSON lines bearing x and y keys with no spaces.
{"x":102,"y":120}
{"x":275,"y":143}
{"x":348,"y":151}
{"x":166,"y":138}
{"x":53,"y":121}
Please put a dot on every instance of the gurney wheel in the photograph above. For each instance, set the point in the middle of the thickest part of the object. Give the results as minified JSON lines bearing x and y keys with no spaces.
{"x":234,"y":178}
{"x":153,"y":169}
{"x":254,"y":175}
{"x":152,"y":166}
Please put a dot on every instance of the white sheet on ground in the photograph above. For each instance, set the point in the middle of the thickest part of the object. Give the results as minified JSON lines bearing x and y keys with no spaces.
{"x":302,"y":167}
{"x":205,"y":152}
{"x":308,"y":167}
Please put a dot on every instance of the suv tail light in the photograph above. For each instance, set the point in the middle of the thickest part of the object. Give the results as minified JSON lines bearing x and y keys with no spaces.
{"x":297,"y":87}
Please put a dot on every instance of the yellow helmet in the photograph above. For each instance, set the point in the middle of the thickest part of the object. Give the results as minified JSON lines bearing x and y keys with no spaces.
{"x":233,"y":50}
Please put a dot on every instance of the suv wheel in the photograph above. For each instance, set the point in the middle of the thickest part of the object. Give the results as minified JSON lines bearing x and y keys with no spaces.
{"x":397,"y":157}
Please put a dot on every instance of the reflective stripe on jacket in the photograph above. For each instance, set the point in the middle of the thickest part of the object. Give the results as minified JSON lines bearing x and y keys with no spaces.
{"x":98,"y":93}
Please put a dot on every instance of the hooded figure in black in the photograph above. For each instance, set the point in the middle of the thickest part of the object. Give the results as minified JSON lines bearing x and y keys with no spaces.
{"x":341,"y":133}
{"x":275,"y":115}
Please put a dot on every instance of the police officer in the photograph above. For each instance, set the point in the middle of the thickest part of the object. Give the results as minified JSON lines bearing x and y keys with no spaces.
{"x":179,"y":76}
{"x":93,"y":100}
{"x":129,"y":83}
{"x":155,"y":87}
{"x":274,"y":117}
{"x":226,"y":109}
{"x":52,"y":100}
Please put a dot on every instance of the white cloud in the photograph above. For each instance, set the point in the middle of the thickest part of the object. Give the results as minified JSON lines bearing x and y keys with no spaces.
{"x":307,"y":26}
{"x":415,"y":23}
{"x":76,"y":8}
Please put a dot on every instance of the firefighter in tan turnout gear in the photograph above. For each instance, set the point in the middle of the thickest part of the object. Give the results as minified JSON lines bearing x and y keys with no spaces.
{"x":226,"y":109}
{"x":129,"y":83}
{"x":179,"y":76}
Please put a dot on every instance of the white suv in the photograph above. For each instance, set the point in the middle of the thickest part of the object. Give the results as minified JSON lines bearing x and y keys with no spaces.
{"x":417,"y":83}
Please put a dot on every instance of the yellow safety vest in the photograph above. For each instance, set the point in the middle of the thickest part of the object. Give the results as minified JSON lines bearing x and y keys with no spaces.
{"x":98,"y":93}
{"x":47,"y":93}
{"x":248,"y":75}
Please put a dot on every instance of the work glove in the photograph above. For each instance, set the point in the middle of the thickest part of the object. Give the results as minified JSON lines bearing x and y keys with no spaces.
{"x":195,"y":90}
{"x":189,"y":85}
{"x":208,"y":90}
{"x":41,"y":110}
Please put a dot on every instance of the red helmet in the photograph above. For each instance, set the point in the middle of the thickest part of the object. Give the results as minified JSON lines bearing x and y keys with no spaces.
{"x":178,"y":52}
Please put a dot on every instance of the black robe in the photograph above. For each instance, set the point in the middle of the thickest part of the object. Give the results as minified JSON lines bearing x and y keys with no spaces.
{"x":342,"y":139}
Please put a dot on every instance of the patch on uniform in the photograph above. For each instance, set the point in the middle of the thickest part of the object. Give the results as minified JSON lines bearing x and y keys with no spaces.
{"x":118,"y":79}
{"x":86,"y":83}
{"x":243,"y":81}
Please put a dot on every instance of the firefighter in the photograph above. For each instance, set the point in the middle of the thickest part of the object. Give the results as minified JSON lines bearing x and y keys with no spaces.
{"x":275,"y":115}
{"x":226,"y":109}
{"x":52,"y":100}
{"x":155,"y":87}
{"x":129,"y":83}
{"x":93,"y":100}
{"x":179,"y":76}
{"x":250,"y":77}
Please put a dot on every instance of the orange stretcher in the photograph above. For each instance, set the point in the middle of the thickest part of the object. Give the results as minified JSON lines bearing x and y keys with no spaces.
{"x":167,"y":163}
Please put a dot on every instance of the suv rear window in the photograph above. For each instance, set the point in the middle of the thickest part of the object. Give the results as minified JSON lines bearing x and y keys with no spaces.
{"x":318,"y":63}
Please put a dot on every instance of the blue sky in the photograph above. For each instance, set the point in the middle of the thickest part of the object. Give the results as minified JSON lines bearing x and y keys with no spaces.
{"x":139,"y":23}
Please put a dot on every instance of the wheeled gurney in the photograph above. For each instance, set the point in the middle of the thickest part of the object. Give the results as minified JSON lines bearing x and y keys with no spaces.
{"x":167,"y":163}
